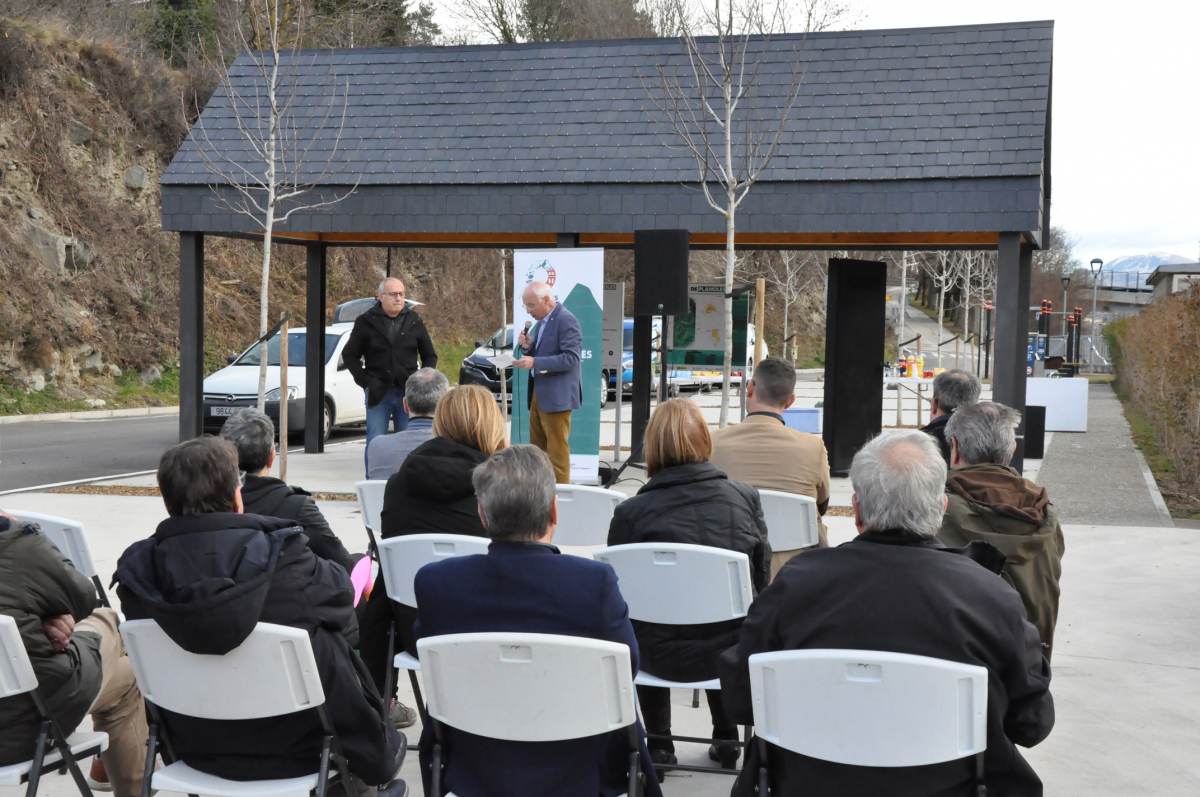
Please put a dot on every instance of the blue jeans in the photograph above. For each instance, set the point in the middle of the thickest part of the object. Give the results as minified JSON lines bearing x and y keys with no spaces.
{"x":390,"y":409}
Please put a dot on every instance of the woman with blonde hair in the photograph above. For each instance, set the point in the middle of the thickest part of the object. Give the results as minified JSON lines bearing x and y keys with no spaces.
{"x":689,"y":500}
{"x":431,"y":494}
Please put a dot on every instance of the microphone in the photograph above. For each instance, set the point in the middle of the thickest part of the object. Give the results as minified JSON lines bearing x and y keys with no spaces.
{"x":528,"y":326}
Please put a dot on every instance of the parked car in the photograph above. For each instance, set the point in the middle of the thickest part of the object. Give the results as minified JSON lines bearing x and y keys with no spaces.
{"x":346,"y":312}
{"x":236,"y":385}
{"x":477,"y":369}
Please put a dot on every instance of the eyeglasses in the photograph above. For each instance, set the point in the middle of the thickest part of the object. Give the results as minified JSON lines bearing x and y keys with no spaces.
{"x":399,"y":295}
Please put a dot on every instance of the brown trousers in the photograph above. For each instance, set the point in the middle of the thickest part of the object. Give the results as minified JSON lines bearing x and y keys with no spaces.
{"x":118,"y":709}
{"x":551,"y":432}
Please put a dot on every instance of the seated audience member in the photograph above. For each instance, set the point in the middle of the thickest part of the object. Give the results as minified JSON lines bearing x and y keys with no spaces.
{"x":422,"y":392}
{"x":77,"y":656}
{"x":253,"y":435}
{"x":523,"y":585}
{"x":990,"y":501}
{"x":432,"y":493}
{"x":762,"y":452}
{"x":207,"y":576}
{"x":951,"y":389}
{"x":689,"y":500}
{"x":896,"y":588}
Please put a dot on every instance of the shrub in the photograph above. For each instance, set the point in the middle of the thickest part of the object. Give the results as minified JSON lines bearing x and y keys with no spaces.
{"x":1157,"y":359}
{"x":18,"y":59}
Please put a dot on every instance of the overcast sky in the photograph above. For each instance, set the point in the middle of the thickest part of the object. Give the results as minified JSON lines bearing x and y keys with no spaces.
{"x":1126,"y":129}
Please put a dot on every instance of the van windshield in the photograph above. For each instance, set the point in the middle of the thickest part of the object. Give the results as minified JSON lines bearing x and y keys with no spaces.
{"x":297,"y":347}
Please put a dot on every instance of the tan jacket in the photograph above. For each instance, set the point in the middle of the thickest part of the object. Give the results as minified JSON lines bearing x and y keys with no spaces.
{"x":762,"y":452}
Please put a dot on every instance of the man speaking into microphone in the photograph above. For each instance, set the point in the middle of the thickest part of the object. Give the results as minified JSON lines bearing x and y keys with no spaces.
{"x":551,"y":352}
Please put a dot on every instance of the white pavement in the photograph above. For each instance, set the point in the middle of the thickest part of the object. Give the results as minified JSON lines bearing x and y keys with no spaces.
{"x":1126,"y":672}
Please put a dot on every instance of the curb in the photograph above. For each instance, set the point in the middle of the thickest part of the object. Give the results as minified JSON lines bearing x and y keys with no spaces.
{"x":1163,"y":512}
{"x":89,"y":415}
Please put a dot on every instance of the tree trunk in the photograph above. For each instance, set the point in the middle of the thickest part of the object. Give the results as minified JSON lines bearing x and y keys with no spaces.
{"x":941,"y":318}
{"x":785,"y":334}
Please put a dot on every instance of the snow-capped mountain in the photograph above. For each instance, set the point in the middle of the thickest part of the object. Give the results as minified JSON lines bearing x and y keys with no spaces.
{"x":1146,"y":263}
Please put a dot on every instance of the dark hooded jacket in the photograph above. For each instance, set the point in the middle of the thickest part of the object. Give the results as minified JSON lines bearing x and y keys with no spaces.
{"x":37,"y":582}
{"x":389,"y":347}
{"x":432,"y":493}
{"x":695,"y":504}
{"x":899,"y":592}
{"x":207,"y":580}
{"x":995,"y":504}
{"x":936,"y":429}
{"x":269,"y":497}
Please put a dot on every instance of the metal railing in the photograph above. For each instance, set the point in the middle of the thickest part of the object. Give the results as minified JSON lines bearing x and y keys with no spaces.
{"x":1125,"y":281}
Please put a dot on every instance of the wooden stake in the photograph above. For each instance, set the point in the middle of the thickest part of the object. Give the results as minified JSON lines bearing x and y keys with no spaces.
{"x":283,"y":399}
{"x":760,"y":310}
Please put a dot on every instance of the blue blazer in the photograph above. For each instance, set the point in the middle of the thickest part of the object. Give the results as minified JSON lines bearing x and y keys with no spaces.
{"x":528,"y":588}
{"x":557,"y":376}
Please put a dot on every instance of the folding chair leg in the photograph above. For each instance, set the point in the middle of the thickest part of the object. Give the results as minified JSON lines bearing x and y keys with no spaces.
{"x":695,"y":698}
{"x":151,"y":754}
{"x":101,"y":595}
{"x":981,"y":789}
{"x":416,"y":687}
{"x":39,"y":755}
{"x":763,"y":779}
{"x":388,"y":683}
{"x":72,"y":765}
{"x":323,"y":772}
{"x":436,"y":776}
{"x":635,"y":764}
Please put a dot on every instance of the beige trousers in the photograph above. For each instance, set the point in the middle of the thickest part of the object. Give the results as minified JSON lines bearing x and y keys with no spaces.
{"x":118,"y":709}
{"x":551,"y":432}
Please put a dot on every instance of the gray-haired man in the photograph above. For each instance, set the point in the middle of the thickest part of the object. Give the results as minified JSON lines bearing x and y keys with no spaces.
{"x":951,"y":389}
{"x":896,"y":588}
{"x":991,"y":502}
{"x":253,"y":435}
{"x":422,"y":392}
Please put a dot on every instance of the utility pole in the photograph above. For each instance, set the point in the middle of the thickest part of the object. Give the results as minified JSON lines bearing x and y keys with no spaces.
{"x":1097,"y":266}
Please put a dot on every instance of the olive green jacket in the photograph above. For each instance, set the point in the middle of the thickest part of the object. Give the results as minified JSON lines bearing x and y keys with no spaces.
{"x":38,"y":582}
{"x":996,"y":504}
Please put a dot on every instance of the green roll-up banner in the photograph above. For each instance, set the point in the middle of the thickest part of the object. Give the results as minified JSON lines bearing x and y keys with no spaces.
{"x":577,"y":278}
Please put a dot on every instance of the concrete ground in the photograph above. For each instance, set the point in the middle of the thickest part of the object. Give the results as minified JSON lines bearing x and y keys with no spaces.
{"x":1127,"y":666}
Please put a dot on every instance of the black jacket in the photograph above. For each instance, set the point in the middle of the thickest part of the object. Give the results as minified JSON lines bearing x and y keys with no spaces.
{"x":389,"y":363}
{"x":897,"y":592}
{"x":207,"y":580}
{"x":695,"y":504}
{"x":937,"y":430}
{"x":432,"y":493}
{"x":263,"y":495}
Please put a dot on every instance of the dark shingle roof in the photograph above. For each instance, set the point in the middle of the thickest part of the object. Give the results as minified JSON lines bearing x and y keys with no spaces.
{"x":935,"y":103}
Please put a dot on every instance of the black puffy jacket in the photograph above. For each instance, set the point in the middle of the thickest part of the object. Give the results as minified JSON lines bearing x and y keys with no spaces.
{"x":207,"y":580}
{"x":696,"y":504}
{"x":389,"y":363}
{"x":269,"y":497}
{"x":432,"y":493}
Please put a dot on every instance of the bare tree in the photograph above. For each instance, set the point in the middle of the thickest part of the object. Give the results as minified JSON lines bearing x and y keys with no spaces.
{"x":791,"y":274}
{"x":710,"y":110}
{"x":512,"y":21}
{"x":943,"y":269}
{"x":272,"y":183}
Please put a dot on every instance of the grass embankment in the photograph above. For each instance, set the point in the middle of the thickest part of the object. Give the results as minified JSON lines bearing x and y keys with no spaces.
{"x":125,"y":391}
{"x":1181,"y":503}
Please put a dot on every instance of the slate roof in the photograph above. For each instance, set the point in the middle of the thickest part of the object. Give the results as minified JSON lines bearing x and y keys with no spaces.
{"x":917,"y":104}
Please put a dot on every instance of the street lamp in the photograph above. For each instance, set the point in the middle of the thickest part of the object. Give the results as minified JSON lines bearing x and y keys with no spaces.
{"x":1066,"y":281}
{"x":1097,"y":266}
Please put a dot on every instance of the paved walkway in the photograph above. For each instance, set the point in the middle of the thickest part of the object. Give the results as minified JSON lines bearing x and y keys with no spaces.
{"x":1100,"y":476}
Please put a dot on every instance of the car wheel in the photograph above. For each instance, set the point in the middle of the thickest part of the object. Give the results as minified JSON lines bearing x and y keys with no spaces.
{"x":326,"y":422}
{"x":603,"y":389}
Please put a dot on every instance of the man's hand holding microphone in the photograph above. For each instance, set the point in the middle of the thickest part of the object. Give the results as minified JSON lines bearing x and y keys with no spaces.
{"x":526,"y":344}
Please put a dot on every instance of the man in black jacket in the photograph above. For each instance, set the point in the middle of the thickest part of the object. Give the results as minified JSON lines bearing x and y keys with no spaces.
{"x":208,"y":575}
{"x":951,"y":389}
{"x":896,"y":588}
{"x":389,"y":338}
{"x":253,"y":435}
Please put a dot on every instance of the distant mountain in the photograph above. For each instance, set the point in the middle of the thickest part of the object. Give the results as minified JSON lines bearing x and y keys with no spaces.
{"x":1145,"y":263}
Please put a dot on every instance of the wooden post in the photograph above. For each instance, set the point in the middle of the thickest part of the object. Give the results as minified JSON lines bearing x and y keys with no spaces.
{"x":957,"y":342}
{"x":503,"y":337}
{"x":920,"y":375}
{"x":283,"y":399}
{"x":760,"y":309}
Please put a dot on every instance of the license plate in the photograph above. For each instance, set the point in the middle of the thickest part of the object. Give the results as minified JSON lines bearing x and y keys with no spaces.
{"x":223,"y":412}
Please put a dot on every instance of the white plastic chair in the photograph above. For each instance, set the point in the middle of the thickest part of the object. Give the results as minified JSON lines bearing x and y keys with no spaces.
{"x":67,"y":535}
{"x":678,"y":584}
{"x":528,"y":688}
{"x":870,"y":708}
{"x":272,"y":673}
{"x":52,"y":750}
{"x":584,"y":514}
{"x":399,"y":560}
{"x":792,"y":520}
{"x":370,"y":503}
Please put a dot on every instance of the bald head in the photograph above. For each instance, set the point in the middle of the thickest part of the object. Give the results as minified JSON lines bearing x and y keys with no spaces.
{"x":391,"y":296}
{"x":538,"y":299}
